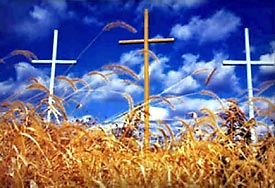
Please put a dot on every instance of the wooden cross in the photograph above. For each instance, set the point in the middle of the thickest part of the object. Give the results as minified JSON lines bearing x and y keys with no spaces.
{"x":53,"y":61}
{"x":248,"y":64}
{"x":146,"y":42}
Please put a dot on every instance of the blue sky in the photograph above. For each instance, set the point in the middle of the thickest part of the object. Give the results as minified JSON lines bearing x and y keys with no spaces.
{"x":206,"y":33}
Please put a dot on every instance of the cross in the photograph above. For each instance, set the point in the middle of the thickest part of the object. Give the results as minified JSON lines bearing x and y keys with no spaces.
{"x":146,"y":42}
{"x":248,"y":64}
{"x":53,"y":61}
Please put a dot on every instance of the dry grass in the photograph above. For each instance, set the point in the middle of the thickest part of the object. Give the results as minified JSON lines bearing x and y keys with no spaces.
{"x":215,"y":151}
{"x":38,"y":154}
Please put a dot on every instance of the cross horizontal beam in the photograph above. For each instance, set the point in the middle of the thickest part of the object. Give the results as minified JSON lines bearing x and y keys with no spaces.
{"x":233,"y":62}
{"x":141,"y":41}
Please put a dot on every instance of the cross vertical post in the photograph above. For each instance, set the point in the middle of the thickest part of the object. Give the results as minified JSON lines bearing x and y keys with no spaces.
{"x":146,"y":79}
{"x":249,"y":74}
{"x":146,"y":42}
{"x":248,"y":64}
{"x":53,"y":61}
{"x":52,"y":71}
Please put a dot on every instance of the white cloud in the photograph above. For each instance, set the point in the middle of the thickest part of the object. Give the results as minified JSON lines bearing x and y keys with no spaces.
{"x":182,"y":32}
{"x":193,"y":104}
{"x":6,"y":87}
{"x":173,"y":77}
{"x":215,"y":28}
{"x":188,"y":83}
{"x":186,"y":3}
{"x":113,"y":89}
{"x":131,"y":58}
{"x":42,"y":18}
{"x":59,"y":5}
{"x":156,"y":69}
{"x":25,"y":70}
{"x":100,"y":90}
{"x":174,"y":4}
{"x":268,"y":57}
{"x":39,"y":13}
{"x":267,"y":69}
{"x":189,"y":60}
{"x":182,"y":81}
{"x":266,"y":72}
{"x":90,"y":20}
{"x":17,"y":87}
{"x":158,"y":113}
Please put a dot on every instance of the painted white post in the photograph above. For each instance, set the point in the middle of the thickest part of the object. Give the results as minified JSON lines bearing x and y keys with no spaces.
{"x":53,"y":61}
{"x":248,"y":64}
{"x":248,"y":74}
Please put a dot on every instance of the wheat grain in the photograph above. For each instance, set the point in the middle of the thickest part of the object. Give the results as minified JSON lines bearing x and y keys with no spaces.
{"x":100,"y":74}
{"x":126,"y":81}
{"x":151,"y":53}
{"x":124,"y":69}
{"x":68,"y":80}
{"x":29,"y":55}
{"x":200,"y":71}
{"x":209,"y":77}
{"x":119,"y":24}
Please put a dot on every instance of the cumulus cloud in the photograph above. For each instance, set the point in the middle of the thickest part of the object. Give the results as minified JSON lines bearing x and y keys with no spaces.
{"x":6,"y":87}
{"x":266,"y":72}
{"x":101,"y":91}
{"x":39,"y":13}
{"x":194,"y":104}
{"x":175,"y":4}
{"x":168,"y":81}
{"x":90,"y":20}
{"x":187,"y":85}
{"x":111,"y":90}
{"x":131,"y":58}
{"x":270,"y":57}
{"x":183,"y":80}
{"x":156,"y":69}
{"x":157,"y":113}
{"x":215,"y":28}
{"x":42,"y":18}
{"x":17,"y":87}
{"x":60,"y":5}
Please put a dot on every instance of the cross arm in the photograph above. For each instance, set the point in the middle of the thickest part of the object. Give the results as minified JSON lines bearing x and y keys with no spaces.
{"x":232,"y":62}
{"x":140,"y":41}
{"x":56,"y":61}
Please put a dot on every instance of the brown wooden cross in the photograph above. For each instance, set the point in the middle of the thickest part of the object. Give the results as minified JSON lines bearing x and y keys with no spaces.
{"x":146,"y":42}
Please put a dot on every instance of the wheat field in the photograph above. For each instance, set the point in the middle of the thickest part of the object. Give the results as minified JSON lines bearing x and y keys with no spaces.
{"x":35,"y":153}
{"x":214,"y":152}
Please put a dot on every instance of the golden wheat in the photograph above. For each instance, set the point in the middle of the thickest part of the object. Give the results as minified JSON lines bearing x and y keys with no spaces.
{"x":35,"y":153}
{"x":68,"y":80}
{"x":100,"y":74}
{"x":151,"y":53}
{"x":122,"y":68}
{"x":29,"y":55}
{"x":119,"y":24}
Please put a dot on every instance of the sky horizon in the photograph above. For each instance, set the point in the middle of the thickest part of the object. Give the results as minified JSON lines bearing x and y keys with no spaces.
{"x":206,"y":33}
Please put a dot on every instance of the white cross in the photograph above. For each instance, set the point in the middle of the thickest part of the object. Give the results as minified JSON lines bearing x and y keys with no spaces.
{"x":53,"y":61}
{"x":248,"y":64}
